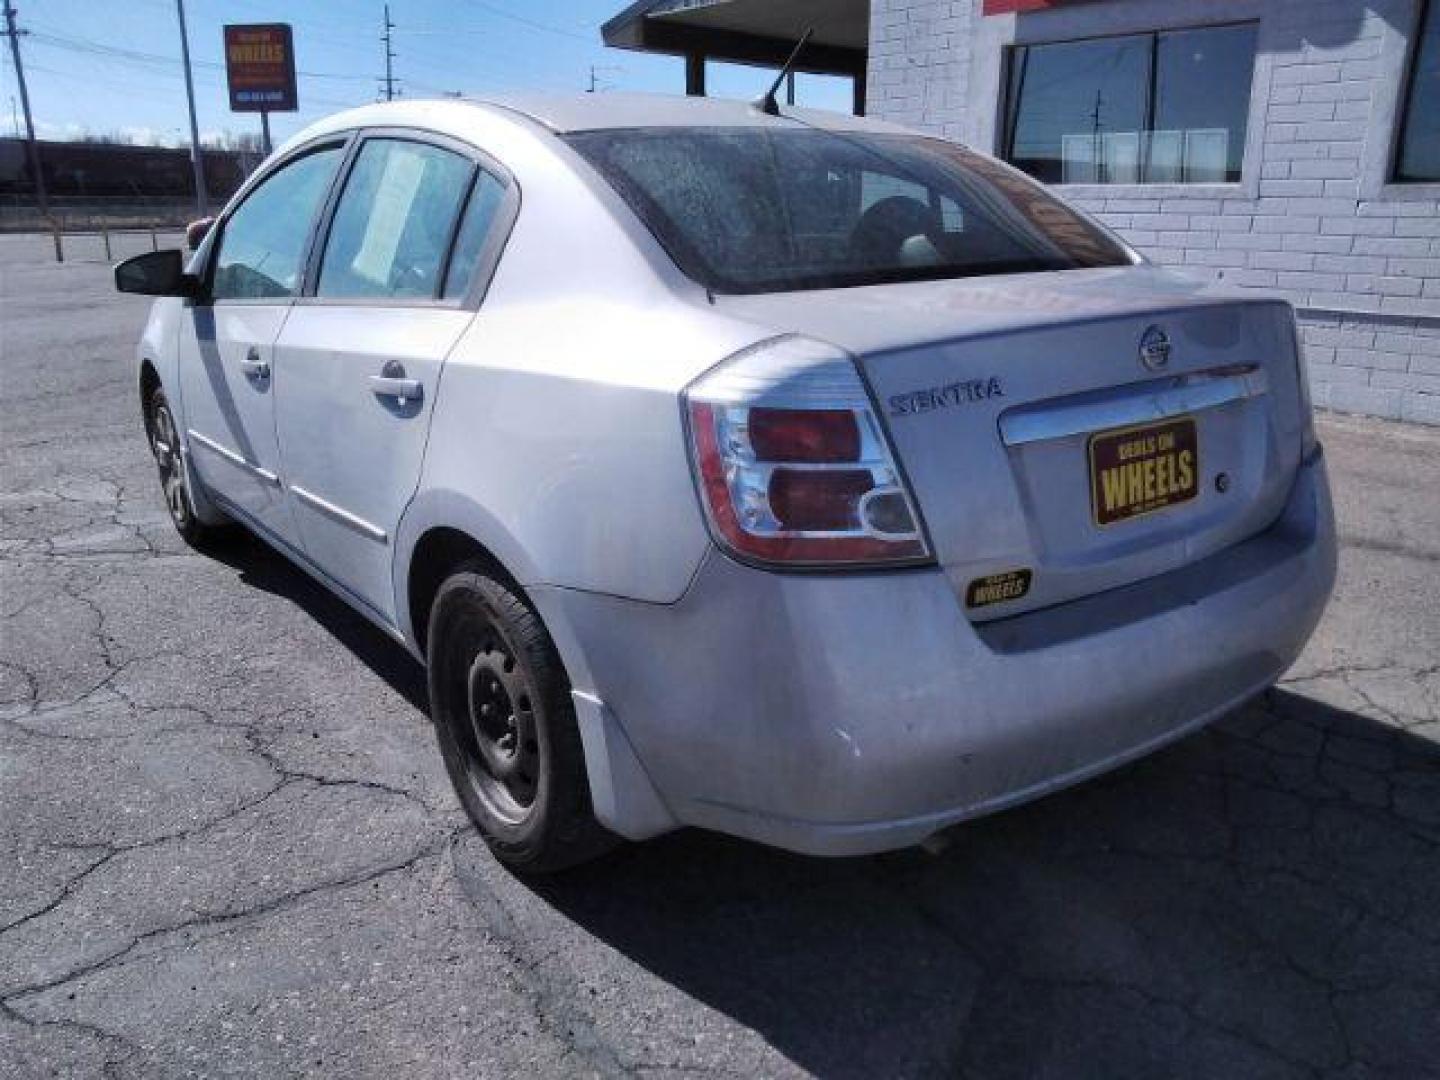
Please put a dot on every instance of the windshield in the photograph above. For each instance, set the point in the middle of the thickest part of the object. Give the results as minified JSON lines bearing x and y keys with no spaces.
{"x":744,"y":210}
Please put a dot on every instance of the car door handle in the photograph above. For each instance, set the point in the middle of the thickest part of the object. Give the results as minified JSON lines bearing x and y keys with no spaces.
{"x":253,"y":366}
{"x":402,"y":389}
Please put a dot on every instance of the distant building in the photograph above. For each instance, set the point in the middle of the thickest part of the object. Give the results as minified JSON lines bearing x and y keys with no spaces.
{"x":1289,"y":146}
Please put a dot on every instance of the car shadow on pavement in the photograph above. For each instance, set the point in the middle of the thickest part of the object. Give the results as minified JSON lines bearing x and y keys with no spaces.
{"x":261,"y":567}
{"x":1260,"y":899}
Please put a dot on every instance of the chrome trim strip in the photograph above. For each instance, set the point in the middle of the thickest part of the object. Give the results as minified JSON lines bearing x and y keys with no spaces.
{"x":1188,"y":393}
{"x":344,"y":517}
{"x":232,"y":457}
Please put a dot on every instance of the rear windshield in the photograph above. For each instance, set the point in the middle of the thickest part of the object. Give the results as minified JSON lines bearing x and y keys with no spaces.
{"x":744,"y":210}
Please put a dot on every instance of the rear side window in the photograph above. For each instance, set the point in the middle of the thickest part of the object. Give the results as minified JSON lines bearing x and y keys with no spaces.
{"x":394,"y":221}
{"x":775,"y":209}
{"x":263,"y":242}
{"x":485,"y":200}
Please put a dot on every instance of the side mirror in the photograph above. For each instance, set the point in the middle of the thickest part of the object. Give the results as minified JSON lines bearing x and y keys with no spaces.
{"x":196,"y":232}
{"x":156,"y":273}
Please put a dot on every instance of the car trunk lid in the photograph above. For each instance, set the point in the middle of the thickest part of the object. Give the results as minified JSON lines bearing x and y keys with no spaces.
{"x":1071,"y":432}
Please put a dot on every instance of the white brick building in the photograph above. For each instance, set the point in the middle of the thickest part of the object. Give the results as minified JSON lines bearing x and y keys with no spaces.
{"x":1289,"y":146}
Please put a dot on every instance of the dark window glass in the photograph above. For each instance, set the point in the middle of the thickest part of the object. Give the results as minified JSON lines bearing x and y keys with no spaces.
{"x":1419,"y":156}
{"x":774,"y":209}
{"x":1150,"y":108}
{"x":1202,"y":102}
{"x":394,"y":221}
{"x":485,"y":200}
{"x":263,"y":243}
{"x":1081,"y":109}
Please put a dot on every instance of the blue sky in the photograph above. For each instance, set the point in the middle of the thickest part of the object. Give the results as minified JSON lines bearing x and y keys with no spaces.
{"x":113,"y":66}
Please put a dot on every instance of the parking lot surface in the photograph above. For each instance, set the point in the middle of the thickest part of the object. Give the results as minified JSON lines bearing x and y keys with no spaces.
{"x":228,"y":846}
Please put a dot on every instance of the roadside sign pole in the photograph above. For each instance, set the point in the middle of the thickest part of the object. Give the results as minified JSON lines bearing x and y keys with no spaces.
{"x":260,"y":72}
{"x":201,"y":202}
{"x":34,"y":150}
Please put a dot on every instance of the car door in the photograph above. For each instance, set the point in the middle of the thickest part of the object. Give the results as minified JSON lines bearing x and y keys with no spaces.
{"x":227,"y":372}
{"x":413,"y":231}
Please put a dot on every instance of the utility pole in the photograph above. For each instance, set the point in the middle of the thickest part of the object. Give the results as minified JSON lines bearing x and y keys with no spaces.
{"x":596,"y":83}
{"x":14,"y":116}
{"x":385,"y":36}
{"x":31,"y":146}
{"x":1095,"y":134}
{"x":202,"y":203}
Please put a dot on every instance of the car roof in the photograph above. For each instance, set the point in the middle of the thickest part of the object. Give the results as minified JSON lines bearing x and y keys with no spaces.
{"x":562,"y":113}
{"x":591,"y":112}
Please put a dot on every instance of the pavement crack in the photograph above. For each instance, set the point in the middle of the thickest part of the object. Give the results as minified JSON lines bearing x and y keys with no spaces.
{"x":225,"y":918}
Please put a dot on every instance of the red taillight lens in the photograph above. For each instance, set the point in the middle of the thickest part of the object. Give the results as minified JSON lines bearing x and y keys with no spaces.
{"x":810,"y":435}
{"x":792,"y":465}
{"x":818,"y":501}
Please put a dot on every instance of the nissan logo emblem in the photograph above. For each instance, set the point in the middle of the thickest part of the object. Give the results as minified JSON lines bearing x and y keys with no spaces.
{"x":1154,"y":349}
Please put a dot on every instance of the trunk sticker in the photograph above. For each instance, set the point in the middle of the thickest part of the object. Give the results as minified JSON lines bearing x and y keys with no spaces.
{"x":1138,"y":470}
{"x":997,"y":588}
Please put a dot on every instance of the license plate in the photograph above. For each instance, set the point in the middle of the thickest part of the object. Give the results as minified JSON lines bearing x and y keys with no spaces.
{"x":1138,"y":470}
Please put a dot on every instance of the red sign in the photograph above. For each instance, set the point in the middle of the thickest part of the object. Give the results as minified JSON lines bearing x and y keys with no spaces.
{"x":260,"y":67}
{"x":1005,"y":7}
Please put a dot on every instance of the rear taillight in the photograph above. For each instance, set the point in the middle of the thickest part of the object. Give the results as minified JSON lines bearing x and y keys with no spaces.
{"x":792,"y":465}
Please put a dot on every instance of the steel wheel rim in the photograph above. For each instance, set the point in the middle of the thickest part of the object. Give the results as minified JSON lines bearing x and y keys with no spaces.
{"x":165,"y":445}
{"x":497,"y":729}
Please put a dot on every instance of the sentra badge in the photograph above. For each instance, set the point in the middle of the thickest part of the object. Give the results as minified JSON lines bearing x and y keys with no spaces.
{"x":967,"y":392}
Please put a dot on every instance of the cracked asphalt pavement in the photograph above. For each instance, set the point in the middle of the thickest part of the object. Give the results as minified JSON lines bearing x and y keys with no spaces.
{"x":228,"y":846}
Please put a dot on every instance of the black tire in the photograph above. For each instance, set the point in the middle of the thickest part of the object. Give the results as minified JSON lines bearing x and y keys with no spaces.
{"x":506,"y":725}
{"x":164,"y":437}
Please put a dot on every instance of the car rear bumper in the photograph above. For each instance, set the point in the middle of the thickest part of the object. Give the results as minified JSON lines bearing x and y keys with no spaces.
{"x":841,"y":714}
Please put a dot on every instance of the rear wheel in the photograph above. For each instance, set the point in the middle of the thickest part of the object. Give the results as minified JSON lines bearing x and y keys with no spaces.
{"x":174,"y":478}
{"x":506,"y":726}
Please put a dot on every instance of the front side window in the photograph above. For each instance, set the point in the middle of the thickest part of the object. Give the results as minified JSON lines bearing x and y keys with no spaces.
{"x":1418,"y":159}
{"x":774,"y":209}
{"x":1164,"y":108}
{"x":262,"y":246}
{"x":394,"y":221}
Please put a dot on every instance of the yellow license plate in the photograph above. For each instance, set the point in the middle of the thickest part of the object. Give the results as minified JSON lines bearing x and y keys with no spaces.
{"x":1138,"y":470}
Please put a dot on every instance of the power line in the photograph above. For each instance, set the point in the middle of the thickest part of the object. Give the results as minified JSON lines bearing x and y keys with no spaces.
{"x":97,"y":48}
{"x":534,"y":24}
{"x":477,"y":61}
{"x":156,"y":93}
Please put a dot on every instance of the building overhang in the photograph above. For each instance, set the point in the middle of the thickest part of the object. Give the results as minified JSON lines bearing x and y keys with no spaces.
{"x":760,"y":32}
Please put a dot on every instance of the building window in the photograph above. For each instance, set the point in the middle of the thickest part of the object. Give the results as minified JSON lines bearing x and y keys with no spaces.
{"x":1162,"y":108}
{"x":1418,"y":159}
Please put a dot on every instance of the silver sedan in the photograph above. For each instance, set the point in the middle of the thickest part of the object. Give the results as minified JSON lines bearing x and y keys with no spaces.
{"x":795,"y":476}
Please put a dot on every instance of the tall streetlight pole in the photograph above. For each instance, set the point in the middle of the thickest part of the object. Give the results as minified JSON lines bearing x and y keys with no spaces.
{"x":31,"y":147}
{"x":201,"y":201}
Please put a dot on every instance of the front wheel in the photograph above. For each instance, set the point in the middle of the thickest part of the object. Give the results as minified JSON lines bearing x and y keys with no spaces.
{"x":501,"y":704}
{"x":174,"y":479}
